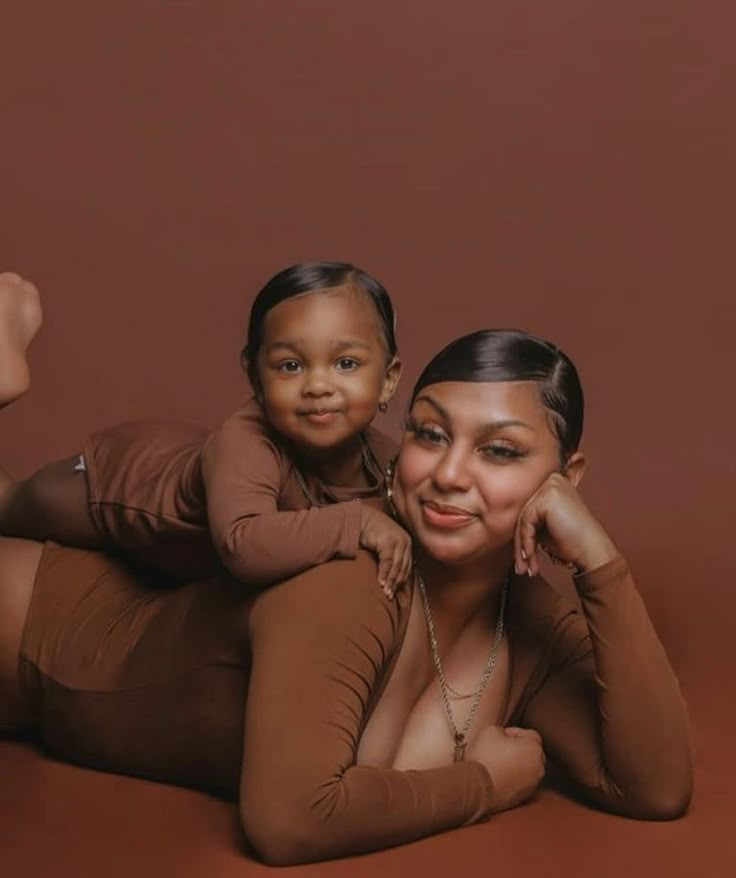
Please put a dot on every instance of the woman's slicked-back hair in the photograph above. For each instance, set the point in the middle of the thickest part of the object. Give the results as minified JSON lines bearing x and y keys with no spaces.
{"x":512,"y":355}
{"x":310,"y":277}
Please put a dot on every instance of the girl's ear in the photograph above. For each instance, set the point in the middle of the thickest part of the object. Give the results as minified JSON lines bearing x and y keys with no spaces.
{"x":255,"y":384}
{"x":390,"y":380}
{"x":574,"y":468}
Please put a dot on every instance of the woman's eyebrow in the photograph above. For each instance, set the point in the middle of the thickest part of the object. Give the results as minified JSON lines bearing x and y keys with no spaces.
{"x":425,"y":397}
{"x":494,"y":426}
{"x":489,"y":427}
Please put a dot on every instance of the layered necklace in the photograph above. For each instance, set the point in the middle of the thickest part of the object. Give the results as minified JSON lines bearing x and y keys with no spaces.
{"x":369,"y":463}
{"x":459,"y":734}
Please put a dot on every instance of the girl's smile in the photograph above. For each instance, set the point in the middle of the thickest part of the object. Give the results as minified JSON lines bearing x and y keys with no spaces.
{"x":323,"y":369}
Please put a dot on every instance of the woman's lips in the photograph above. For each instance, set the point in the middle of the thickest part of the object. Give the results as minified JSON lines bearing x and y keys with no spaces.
{"x":442,"y":515}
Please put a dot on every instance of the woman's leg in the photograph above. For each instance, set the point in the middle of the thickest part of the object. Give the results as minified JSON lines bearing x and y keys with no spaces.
{"x":19,"y":561}
{"x":51,"y":504}
{"x":20,"y":318}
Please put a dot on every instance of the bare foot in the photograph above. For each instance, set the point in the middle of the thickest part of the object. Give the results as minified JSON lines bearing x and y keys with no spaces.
{"x":20,"y":319}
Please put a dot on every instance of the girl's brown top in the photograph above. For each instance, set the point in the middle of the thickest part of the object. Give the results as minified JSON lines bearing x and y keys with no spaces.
{"x":156,"y":488}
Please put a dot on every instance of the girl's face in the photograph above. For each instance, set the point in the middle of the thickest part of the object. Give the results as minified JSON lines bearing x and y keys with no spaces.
{"x":324,"y":368}
{"x":471,"y":457}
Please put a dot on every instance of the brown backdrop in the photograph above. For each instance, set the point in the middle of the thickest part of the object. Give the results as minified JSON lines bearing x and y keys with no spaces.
{"x":564,"y":167}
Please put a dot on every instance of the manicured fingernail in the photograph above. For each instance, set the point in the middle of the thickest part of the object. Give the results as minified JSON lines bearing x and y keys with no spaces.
{"x":529,"y":572}
{"x":523,"y":554}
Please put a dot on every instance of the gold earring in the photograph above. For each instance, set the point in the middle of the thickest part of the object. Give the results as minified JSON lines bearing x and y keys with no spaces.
{"x":383,"y":407}
{"x":389,"y":486}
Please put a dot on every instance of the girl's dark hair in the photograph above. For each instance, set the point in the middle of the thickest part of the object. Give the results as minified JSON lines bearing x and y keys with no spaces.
{"x":512,"y":355}
{"x":309,"y":277}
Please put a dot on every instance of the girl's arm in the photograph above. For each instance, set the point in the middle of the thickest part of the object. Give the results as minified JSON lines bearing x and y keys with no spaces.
{"x":321,"y":652}
{"x":244,"y":474}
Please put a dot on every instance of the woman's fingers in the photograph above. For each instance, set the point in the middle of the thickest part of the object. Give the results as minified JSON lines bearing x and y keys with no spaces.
{"x":525,"y":537}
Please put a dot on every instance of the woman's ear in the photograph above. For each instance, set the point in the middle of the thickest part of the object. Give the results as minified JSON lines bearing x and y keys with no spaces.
{"x":574,"y":468}
{"x":390,"y":380}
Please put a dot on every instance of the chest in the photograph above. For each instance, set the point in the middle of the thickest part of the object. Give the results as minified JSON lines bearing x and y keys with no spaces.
{"x":409,"y":727}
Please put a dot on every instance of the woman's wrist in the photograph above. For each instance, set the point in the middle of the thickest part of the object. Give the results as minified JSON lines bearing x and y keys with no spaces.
{"x":596,"y":554}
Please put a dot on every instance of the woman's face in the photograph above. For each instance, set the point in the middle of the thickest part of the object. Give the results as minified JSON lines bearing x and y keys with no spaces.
{"x":471,"y":457}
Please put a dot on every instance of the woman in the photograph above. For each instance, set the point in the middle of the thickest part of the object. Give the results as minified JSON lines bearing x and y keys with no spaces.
{"x":372,"y":722}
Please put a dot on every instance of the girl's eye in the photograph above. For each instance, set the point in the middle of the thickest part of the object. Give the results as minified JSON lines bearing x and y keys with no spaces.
{"x":499,"y":451}
{"x":347,"y":364}
{"x":289,"y":366}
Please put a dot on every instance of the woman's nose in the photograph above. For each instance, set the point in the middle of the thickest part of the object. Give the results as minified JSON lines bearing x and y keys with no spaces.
{"x":452,"y":472}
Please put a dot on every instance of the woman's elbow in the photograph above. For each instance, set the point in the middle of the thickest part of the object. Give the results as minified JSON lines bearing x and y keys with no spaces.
{"x":668,"y":800}
{"x":281,"y":837}
{"x":668,"y":803}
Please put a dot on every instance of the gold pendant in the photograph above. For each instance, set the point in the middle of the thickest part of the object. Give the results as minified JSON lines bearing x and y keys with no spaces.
{"x":460,"y":745}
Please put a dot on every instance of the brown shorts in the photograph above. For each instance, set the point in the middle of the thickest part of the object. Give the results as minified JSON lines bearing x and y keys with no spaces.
{"x":147,"y":498}
{"x":125,"y":676}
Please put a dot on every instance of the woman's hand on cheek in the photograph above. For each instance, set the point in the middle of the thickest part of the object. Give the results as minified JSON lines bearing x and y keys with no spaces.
{"x":515,"y":761}
{"x":556,"y":520}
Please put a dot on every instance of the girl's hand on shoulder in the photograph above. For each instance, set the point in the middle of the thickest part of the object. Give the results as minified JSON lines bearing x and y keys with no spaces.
{"x":391,"y":544}
{"x":556,"y":520}
{"x":514,"y":758}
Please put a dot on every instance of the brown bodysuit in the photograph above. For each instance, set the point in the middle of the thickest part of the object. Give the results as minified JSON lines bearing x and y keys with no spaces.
{"x":126,"y":677}
{"x":175,"y":497}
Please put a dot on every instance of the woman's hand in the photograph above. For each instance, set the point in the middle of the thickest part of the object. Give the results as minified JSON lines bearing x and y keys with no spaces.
{"x":515,"y":760}
{"x":390,"y":543}
{"x":556,"y":520}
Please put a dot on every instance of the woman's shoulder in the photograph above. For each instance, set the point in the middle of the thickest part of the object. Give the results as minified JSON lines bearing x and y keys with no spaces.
{"x":341,"y":592}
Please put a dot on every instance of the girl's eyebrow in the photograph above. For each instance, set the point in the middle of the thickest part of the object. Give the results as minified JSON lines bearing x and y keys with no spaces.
{"x":337,"y":344}
{"x":489,"y":427}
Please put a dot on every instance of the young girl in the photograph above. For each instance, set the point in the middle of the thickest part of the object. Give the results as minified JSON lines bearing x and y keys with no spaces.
{"x":280,"y":484}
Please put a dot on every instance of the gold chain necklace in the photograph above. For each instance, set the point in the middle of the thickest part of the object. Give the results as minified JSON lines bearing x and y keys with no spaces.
{"x":368,"y":459}
{"x":459,"y":734}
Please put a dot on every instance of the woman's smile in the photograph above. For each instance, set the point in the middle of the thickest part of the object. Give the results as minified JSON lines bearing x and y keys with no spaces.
{"x":473,"y":454}
{"x":442,"y":515}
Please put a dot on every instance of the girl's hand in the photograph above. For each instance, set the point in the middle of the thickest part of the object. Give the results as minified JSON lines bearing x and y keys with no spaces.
{"x":556,"y":520}
{"x":390,"y":543}
{"x":515,"y":760}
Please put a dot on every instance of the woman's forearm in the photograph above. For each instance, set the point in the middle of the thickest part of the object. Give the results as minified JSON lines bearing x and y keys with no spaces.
{"x":612,"y":712}
{"x":322,"y":644}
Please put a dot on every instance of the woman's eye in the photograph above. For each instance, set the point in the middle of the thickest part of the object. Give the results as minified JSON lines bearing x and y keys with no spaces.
{"x":289,"y":366}
{"x":497,"y":451}
{"x":347,"y":364}
{"x":429,"y":434}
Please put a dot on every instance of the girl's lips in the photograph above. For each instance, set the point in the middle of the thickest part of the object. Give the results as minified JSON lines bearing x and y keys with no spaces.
{"x":440,"y":515}
{"x":320,"y":417}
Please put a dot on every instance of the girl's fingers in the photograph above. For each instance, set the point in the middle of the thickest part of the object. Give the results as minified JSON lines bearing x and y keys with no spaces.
{"x":384,"y":569}
{"x":393,"y":572}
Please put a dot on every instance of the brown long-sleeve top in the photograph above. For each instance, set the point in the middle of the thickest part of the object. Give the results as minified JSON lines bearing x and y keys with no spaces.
{"x":155,"y":684}
{"x":165,"y":493}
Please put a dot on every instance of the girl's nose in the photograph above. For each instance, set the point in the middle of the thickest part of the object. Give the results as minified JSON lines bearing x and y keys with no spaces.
{"x":317,"y":383}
